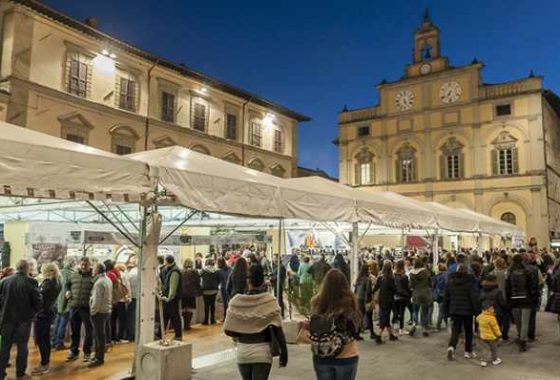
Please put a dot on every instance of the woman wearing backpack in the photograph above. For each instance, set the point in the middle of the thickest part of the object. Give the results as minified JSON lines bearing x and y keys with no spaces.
{"x":210,"y":283}
{"x":333,"y":327}
{"x":255,"y":324}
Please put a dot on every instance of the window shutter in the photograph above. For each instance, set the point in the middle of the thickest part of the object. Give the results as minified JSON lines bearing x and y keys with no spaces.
{"x":413,"y":174}
{"x":515,"y":160}
{"x":371,"y":173}
{"x":83,"y":73}
{"x":357,"y":179}
{"x":397,"y":171}
{"x":494,"y":159}
{"x":462,"y":165}
{"x":442,"y":168}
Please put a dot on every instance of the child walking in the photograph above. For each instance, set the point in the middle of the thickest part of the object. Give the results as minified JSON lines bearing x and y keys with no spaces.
{"x":489,"y":332}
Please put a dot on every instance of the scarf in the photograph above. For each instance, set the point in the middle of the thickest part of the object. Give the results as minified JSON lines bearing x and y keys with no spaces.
{"x":252,"y":313}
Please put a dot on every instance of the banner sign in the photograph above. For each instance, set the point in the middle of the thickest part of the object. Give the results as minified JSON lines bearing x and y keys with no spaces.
{"x":217,"y":239}
{"x":314,"y":239}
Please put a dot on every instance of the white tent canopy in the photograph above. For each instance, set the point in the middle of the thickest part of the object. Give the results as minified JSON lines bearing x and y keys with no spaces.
{"x":34,"y":164}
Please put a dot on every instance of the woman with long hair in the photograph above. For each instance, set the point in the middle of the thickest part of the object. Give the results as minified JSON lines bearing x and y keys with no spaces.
{"x":339,"y":262}
{"x":50,"y":288}
{"x":362,"y":290}
{"x":387,"y":291}
{"x":237,"y":281}
{"x":334,"y":313}
{"x":402,"y":297}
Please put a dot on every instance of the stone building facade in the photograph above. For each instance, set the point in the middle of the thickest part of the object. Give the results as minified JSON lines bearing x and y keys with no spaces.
{"x":440,"y":133}
{"x":66,"y":78}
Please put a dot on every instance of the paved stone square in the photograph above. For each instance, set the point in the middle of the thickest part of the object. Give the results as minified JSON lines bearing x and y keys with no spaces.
{"x":425,"y":358}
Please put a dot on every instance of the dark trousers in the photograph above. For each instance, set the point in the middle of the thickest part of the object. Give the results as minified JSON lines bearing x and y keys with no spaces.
{"x":42,"y":332}
{"x":460,"y":322}
{"x":209,"y":308}
{"x":131,"y":320}
{"x":78,"y":317}
{"x":399,"y":308}
{"x":504,"y":322}
{"x":172,"y":313}
{"x":18,"y":334}
{"x":330,"y":370}
{"x":60,"y":329}
{"x":118,"y":321}
{"x":254,"y":371}
{"x":99,"y":323}
{"x":533,"y":323}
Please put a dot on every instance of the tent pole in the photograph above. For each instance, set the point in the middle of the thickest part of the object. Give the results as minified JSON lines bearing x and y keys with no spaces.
{"x":435,"y":249}
{"x":479,"y":245}
{"x":355,"y":249}
{"x":279,"y":262}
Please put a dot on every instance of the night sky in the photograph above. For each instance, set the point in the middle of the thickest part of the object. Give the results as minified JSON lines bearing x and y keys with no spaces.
{"x":317,"y":56}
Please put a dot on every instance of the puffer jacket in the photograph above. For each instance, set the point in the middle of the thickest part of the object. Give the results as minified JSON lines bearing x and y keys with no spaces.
{"x":488,"y":326}
{"x":421,"y":286}
{"x":403,"y":289}
{"x":521,"y":288}
{"x":80,"y":285}
{"x":460,"y":297}
{"x":190,"y":283}
{"x":440,"y":282}
{"x":492,"y":295}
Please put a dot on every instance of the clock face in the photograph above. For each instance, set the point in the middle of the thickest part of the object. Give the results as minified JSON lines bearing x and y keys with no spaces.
{"x":450,"y":92}
{"x":404,"y":100}
{"x":426,"y":68}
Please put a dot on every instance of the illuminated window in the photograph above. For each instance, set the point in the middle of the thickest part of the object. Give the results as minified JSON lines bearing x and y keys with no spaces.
{"x":364,"y":169}
{"x":451,"y":160}
{"x":509,"y":217}
{"x":406,"y":164}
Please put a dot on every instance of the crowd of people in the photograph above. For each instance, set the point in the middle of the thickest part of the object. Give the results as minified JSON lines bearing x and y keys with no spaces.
{"x":392,"y":295}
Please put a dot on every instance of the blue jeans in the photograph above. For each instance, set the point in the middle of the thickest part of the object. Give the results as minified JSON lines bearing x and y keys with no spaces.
{"x":60,"y":325}
{"x":336,"y":369}
{"x":18,"y":334}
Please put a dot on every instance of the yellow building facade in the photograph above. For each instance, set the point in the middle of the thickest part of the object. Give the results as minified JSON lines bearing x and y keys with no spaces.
{"x":65,"y":78}
{"x":442,"y":134}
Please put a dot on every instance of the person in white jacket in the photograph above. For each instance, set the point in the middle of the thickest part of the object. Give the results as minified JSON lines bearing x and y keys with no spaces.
{"x":100,"y":305}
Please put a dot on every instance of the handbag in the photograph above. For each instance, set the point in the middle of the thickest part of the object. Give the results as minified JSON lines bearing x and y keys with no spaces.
{"x":275,"y":348}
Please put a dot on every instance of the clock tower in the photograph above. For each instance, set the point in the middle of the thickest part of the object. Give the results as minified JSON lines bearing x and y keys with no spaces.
{"x":427,"y":57}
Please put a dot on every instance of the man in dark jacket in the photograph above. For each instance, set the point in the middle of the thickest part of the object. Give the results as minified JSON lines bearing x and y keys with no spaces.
{"x":171,"y":295}
{"x":319,"y":270}
{"x":461,"y":304}
{"x":521,"y":292}
{"x":78,"y":292}
{"x":20,"y":300}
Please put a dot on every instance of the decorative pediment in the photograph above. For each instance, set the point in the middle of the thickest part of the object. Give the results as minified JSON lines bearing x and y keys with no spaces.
{"x":406,"y":151}
{"x":164,"y":142}
{"x":233,"y":158}
{"x":256,"y":164}
{"x":452,"y":145}
{"x":75,"y":119}
{"x":364,"y":155}
{"x":200,"y":149}
{"x":504,"y":138}
{"x":278,"y":170}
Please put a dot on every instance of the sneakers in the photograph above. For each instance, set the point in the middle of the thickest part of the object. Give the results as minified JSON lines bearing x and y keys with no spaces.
{"x":425,"y":334}
{"x":40,"y":370}
{"x":71,"y":357}
{"x":470,"y":355}
{"x":393,"y":338}
{"x":497,"y":361}
{"x":87,"y":358}
{"x":483,"y":363}
{"x":95,"y":363}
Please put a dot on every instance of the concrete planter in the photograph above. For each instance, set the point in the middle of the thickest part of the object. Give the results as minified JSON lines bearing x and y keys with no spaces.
{"x":294,"y":333}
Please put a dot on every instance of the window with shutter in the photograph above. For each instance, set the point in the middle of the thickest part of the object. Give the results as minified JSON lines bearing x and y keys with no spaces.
{"x":127,"y":94}
{"x":231,"y":126}
{"x":451,"y":160}
{"x":199,"y":117}
{"x":256,"y":134}
{"x":406,"y":163}
{"x":505,"y":156}
{"x":278,"y":141}
{"x":364,"y":172}
{"x":167,"y":106}
{"x":78,"y":77}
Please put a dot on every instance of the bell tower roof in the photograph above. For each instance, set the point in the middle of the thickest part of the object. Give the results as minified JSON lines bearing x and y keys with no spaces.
{"x":426,"y":40}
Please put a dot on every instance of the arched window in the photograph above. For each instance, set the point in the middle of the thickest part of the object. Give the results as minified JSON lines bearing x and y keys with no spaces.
{"x":75,"y":127}
{"x":406,"y":164}
{"x":256,"y":164}
{"x":278,"y":171}
{"x":452,"y":160}
{"x":364,"y":169}
{"x":200,"y":149}
{"x":123,"y":140}
{"x":505,"y":156}
{"x":509,"y":217}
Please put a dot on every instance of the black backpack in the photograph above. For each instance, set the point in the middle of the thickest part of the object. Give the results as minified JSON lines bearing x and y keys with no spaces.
{"x":326,"y":340}
{"x":209,"y":280}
